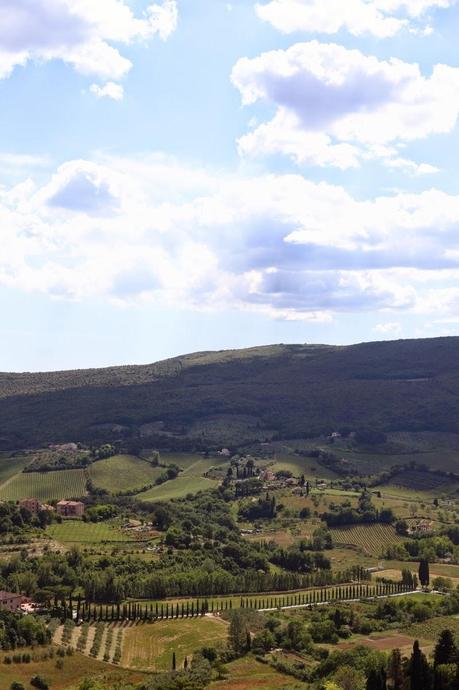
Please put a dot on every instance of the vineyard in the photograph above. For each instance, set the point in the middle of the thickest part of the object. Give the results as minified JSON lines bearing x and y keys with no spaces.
{"x":123,"y":473}
{"x":46,"y":486}
{"x":191,"y":480}
{"x":11,"y":465}
{"x":416,"y":480}
{"x":431,"y":629}
{"x":373,"y":539}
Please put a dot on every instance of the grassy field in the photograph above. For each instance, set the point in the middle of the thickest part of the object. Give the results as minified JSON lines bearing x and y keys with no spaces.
{"x":249,"y":674}
{"x":122,"y":473}
{"x":150,"y":646}
{"x":76,"y":532}
{"x":190,"y":481}
{"x":299,"y":465}
{"x":45,"y":486}
{"x":76,"y":668}
{"x":372,"y":539}
{"x":9,"y":466}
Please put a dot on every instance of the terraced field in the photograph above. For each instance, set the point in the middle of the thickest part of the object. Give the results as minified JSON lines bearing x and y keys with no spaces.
{"x":46,"y":486}
{"x":123,"y":473}
{"x":372,"y":539}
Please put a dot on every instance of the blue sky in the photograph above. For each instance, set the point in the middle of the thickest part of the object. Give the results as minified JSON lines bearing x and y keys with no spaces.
{"x":179,"y":176}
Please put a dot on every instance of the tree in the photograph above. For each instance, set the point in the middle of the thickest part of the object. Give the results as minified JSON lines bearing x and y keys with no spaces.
{"x":16,"y":686}
{"x":174,"y":661}
{"x":39,"y":683}
{"x":424,"y":574}
{"x":420,"y":675}
{"x":395,"y":670}
{"x":445,"y":649}
{"x":237,"y":636}
{"x":377,"y":680}
{"x":349,"y":678}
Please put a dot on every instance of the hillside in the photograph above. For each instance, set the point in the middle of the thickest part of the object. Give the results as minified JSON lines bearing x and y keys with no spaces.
{"x":254,"y":394}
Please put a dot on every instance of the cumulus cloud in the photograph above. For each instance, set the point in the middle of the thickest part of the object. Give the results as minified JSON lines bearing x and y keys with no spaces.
{"x":150,"y":229}
{"x":389,"y":329}
{"x":78,"y":32}
{"x":381,"y":18}
{"x":337,"y":107}
{"x":108,"y":90}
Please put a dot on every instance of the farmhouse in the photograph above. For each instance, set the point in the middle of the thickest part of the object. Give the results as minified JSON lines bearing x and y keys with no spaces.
{"x":70,"y":508}
{"x":10,"y":601}
{"x":34,"y":505}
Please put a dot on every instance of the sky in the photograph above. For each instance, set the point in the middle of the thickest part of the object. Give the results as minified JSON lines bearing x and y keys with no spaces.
{"x":190,"y":175}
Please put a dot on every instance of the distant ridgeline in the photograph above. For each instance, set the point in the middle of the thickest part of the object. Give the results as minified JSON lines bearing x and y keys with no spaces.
{"x":209,"y":400}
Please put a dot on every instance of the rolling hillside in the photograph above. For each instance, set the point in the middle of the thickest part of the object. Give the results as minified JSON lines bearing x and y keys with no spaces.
{"x":244,"y":395}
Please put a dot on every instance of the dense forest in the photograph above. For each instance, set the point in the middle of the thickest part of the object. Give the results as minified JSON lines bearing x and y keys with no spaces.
{"x":285,"y":391}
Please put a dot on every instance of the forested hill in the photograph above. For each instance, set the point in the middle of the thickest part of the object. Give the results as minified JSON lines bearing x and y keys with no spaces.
{"x":211,"y":397}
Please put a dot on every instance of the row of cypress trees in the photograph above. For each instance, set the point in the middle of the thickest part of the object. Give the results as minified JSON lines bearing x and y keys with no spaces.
{"x":131,"y":611}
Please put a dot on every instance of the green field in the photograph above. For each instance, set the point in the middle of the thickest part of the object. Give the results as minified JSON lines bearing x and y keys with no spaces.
{"x":249,"y":674}
{"x":122,"y":473}
{"x":150,"y":646}
{"x":9,"y":466}
{"x":299,"y":465}
{"x":46,"y":486}
{"x":191,"y":480}
{"x":75,"y":531}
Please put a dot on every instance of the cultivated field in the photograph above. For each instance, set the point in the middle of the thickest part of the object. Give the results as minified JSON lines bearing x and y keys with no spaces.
{"x":249,"y":674}
{"x":75,"y":532}
{"x":432,"y":628}
{"x":190,"y":481}
{"x":150,"y":646}
{"x":373,"y":539}
{"x":45,"y":486}
{"x":75,"y":669}
{"x":9,"y":466}
{"x":299,"y":465}
{"x":123,"y":473}
{"x":416,"y":481}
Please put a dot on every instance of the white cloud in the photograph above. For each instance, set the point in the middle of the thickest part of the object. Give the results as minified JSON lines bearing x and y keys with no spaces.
{"x":391,"y":329}
{"x":382,"y":18}
{"x":78,"y":32}
{"x":149,"y":228}
{"x":108,"y":90}
{"x":337,"y":107}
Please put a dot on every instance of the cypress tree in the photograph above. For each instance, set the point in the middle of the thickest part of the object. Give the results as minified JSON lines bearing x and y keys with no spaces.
{"x":420,"y":676}
{"x":445,"y":649}
{"x":424,"y":574}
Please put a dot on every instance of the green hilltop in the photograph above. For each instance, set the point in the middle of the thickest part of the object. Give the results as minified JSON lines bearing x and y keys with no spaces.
{"x":256,"y":394}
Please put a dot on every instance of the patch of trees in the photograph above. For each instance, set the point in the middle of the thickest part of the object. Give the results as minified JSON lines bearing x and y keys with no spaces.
{"x":21,"y":631}
{"x":263,"y":509}
{"x":15,"y":520}
{"x":365,"y":513}
{"x":55,"y":460}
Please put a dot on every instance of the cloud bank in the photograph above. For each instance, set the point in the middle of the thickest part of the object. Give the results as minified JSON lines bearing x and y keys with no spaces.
{"x":338,"y":107}
{"x":150,"y":229}
{"x":81,"y":33}
{"x":381,"y":18}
